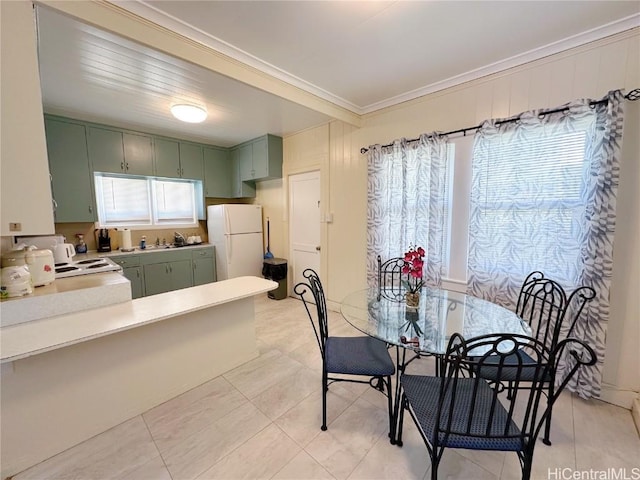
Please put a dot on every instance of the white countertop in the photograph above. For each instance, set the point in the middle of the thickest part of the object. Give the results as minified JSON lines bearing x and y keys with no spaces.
{"x":39,"y":336}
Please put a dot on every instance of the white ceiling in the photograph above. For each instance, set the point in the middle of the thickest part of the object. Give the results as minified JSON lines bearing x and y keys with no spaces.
{"x":361,"y":55}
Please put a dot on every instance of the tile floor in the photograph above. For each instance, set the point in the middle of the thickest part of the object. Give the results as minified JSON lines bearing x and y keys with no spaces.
{"x":262,"y":420}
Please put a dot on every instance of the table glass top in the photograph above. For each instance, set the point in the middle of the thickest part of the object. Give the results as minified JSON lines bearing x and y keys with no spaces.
{"x":429,"y":326}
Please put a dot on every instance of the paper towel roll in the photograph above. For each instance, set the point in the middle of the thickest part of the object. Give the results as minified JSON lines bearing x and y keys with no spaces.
{"x":125,"y":239}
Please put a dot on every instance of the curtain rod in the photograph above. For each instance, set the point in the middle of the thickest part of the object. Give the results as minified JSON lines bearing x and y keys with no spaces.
{"x":632,"y":95}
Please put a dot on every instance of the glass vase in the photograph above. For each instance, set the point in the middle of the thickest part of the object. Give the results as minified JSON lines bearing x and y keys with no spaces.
{"x":412,"y":299}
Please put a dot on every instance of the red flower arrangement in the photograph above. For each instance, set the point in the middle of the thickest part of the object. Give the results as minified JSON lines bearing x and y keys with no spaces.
{"x":413,"y":263}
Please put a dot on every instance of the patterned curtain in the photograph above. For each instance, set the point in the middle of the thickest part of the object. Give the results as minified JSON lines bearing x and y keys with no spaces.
{"x":543,"y":197}
{"x":407,"y":199}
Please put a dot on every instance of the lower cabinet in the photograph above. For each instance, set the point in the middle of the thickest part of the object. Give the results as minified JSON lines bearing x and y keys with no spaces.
{"x":204,"y":266}
{"x":166,"y":270}
{"x":136,"y":276}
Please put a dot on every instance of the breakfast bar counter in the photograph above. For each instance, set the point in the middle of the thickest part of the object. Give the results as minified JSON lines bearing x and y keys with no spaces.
{"x":69,"y":377}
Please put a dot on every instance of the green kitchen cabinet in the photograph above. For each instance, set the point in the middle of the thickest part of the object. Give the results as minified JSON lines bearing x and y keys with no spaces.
{"x":239,"y":189}
{"x":138,"y":154}
{"x":261,"y":158}
{"x":115,"y":151}
{"x":217,"y":172}
{"x":167,"y":157}
{"x":175,"y":159}
{"x":71,"y":178}
{"x":204,"y":266}
{"x":106,"y":150}
{"x":168,"y":276}
{"x":136,"y":276}
{"x":191,"y":163}
{"x":132,"y":270}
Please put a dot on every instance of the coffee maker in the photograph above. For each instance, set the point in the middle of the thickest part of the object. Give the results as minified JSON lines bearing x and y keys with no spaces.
{"x":104,"y":241}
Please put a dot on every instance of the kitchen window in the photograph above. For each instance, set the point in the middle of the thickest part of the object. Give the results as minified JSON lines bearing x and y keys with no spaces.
{"x":127,"y":201}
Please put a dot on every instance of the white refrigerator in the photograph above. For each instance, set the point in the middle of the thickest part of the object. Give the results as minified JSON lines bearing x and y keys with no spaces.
{"x":236,"y":232}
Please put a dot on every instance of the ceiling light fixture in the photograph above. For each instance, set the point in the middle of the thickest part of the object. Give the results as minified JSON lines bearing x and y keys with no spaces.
{"x":189,"y":113}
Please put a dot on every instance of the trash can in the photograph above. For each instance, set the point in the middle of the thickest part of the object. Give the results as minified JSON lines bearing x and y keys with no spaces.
{"x":276,"y":269}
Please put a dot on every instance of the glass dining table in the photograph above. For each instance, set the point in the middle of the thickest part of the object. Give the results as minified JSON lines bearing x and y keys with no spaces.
{"x":425,"y":329}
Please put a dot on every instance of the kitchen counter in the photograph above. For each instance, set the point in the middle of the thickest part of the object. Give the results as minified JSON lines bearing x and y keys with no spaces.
{"x":70,"y":377}
{"x":66,"y":295}
{"x":38,"y":336}
{"x":137,"y":251}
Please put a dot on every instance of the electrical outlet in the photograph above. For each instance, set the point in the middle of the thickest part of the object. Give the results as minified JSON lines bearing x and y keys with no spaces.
{"x":15,"y":227}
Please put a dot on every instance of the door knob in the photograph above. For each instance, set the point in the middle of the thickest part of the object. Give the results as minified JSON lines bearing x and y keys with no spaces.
{"x":318,"y":248}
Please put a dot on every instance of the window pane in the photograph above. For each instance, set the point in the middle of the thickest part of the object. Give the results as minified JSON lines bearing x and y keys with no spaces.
{"x":174,"y":202}
{"x":122,"y":201}
{"x":526,"y":199}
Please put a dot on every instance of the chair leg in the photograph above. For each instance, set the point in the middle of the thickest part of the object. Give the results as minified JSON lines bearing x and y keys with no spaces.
{"x":435,"y":461}
{"x":547,"y":425}
{"x":527,"y":461}
{"x":400,"y":406}
{"x":392,"y":433}
{"x":325,"y":387}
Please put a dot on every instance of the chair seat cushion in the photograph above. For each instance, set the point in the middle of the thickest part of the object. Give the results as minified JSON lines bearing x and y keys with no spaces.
{"x":358,"y":356}
{"x":422,"y":392}
{"x":509,"y":370}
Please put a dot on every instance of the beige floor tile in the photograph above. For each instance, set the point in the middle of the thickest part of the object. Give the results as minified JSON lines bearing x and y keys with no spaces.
{"x":454,"y":466}
{"x":608,"y":439}
{"x":154,"y":469}
{"x":112,"y":454}
{"x":258,"y":375}
{"x":174,"y":421}
{"x":303,"y":467}
{"x":261,"y":457}
{"x":302,"y":422}
{"x":343,"y":446}
{"x":286,"y":394}
{"x":201,"y":450}
{"x":386,"y":461}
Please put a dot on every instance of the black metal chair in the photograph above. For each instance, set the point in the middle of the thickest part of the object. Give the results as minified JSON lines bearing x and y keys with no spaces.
{"x":354,"y":356}
{"x":460,"y":409}
{"x":552,"y":316}
{"x":390,"y":278}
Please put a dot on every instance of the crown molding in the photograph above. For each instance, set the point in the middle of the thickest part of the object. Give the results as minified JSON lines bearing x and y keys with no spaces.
{"x":599,"y":33}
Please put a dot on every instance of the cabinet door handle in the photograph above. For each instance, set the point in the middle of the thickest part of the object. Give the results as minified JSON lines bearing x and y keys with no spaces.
{"x":178,"y":171}
{"x":138,"y":272}
{"x":127,"y":166}
{"x":182,"y":172}
{"x":90,"y":209}
{"x":195,"y":265}
{"x":55,"y":204}
{"x":170,"y":269}
{"x":121,"y":165}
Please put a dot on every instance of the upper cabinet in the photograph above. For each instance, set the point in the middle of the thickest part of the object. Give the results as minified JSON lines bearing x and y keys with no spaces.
{"x":239,"y":188}
{"x":138,"y":154}
{"x":115,"y":151}
{"x":178,"y":159}
{"x":167,"y":153}
{"x":217,"y":172}
{"x":26,"y":207}
{"x":191,"y":165}
{"x":71,"y":178}
{"x":261,"y":158}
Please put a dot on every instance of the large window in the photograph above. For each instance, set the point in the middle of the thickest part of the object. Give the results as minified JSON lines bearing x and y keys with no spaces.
{"x":146,"y":202}
{"x":527,"y":200}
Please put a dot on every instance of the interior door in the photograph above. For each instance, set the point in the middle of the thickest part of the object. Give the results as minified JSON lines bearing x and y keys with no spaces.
{"x":304,"y":224}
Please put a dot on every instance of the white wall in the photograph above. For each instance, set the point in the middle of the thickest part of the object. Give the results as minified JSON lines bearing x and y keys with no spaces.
{"x":587,"y":71}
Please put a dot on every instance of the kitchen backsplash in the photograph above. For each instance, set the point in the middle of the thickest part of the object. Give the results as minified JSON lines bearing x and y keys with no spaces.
{"x":69,"y":230}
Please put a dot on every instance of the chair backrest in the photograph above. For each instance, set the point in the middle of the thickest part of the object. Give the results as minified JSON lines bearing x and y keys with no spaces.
{"x":544,"y":305}
{"x":474,"y":414}
{"x":390,"y":278}
{"x":319,"y":323}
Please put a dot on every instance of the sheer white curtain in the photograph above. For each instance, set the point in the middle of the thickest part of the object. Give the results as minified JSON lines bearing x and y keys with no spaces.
{"x":407,"y":199}
{"x":543,"y":197}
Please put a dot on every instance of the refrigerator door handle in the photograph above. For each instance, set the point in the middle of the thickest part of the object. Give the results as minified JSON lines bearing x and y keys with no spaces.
{"x":227,"y":223}
{"x":227,"y":240}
